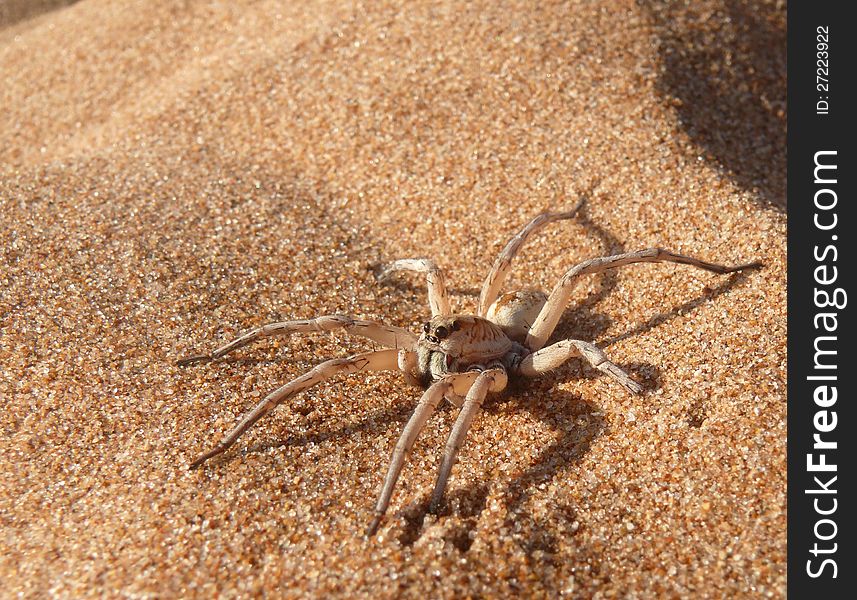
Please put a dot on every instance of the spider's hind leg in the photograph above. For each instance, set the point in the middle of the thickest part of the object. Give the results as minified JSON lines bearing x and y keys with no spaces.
{"x":503,"y":264}
{"x":557,"y":301}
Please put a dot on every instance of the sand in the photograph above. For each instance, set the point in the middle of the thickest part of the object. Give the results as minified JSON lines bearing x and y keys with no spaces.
{"x":173,"y":174}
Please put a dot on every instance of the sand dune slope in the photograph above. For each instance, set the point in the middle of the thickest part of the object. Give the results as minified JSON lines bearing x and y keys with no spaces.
{"x":172,"y":174}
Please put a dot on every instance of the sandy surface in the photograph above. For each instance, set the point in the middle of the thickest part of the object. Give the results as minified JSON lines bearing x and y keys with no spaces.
{"x":172,"y":174}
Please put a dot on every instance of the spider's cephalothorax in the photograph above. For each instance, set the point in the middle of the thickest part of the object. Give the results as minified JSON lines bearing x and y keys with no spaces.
{"x":456,"y":343}
{"x":458,"y":357}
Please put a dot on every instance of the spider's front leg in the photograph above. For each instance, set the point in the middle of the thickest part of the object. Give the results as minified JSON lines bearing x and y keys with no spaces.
{"x":435,"y":280}
{"x":386,"y":335}
{"x":382,"y":360}
{"x":456,"y":384}
{"x":551,"y":357}
{"x":492,"y":380}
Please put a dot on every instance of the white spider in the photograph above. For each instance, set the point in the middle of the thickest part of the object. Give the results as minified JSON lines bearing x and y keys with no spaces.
{"x":458,"y":357}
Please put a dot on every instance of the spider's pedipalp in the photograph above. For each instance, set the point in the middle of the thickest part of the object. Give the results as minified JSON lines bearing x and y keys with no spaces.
{"x":454,"y":383}
{"x":435,"y":280}
{"x":558,"y":299}
{"x":386,"y":335}
{"x":503,"y":264}
{"x":382,"y":360}
{"x":551,"y":357}
{"x":491,"y":380}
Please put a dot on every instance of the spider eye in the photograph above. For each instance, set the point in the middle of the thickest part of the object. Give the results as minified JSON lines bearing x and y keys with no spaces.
{"x":456,"y":325}
{"x":441,"y":332}
{"x":426,"y":327}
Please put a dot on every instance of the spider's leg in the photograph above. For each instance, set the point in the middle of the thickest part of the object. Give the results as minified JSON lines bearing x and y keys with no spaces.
{"x":386,"y":335}
{"x":558,"y":299}
{"x":492,"y":380}
{"x":382,"y":360}
{"x":456,"y":383}
{"x":503,"y":264}
{"x":437,"y":296}
{"x":553,"y":356}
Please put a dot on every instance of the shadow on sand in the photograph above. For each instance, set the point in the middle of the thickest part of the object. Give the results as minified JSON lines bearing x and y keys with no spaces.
{"x":727,"y":80}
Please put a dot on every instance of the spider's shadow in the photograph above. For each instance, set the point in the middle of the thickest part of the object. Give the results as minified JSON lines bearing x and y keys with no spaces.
{"x":374,"y":423}
{"x":578,"y":425}
{"x":708,"y":294}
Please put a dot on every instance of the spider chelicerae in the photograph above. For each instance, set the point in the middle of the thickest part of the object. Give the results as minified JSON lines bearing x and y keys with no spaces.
{"x":460,"y":357}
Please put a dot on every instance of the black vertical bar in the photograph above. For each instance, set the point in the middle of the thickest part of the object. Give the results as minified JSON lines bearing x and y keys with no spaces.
{"x":821,"y":69}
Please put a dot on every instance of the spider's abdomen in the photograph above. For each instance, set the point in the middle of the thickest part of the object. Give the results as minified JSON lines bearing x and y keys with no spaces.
{"x":515,"y":312}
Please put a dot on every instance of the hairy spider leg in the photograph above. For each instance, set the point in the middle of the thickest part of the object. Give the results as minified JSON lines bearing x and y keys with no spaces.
{"x":386,"y":335}
{"x":553,"y":356}
{"x":503,"y":264}
{"x":456,"y":383}
{"x":491,"y":380}
{"x":435,"y":280}
{"x":381,"y":360}
{"x":551,"y":312}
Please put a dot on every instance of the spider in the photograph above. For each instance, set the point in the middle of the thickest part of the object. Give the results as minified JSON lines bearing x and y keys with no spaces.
{"x":459,"y":357}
